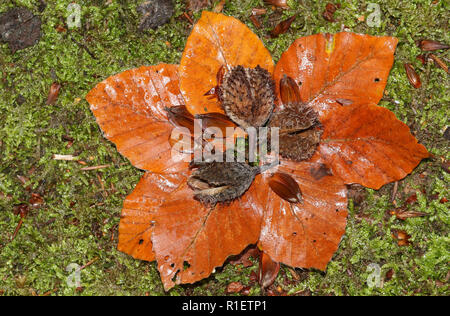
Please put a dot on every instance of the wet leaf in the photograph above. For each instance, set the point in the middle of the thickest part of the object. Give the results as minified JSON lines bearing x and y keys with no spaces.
{"x":19,"y":28}
{"x":368,"y":145}
{"x":141,"y":96}
{"x":217,"y":40}
{"x":305,"y":234}
{"x":344,"y":65}
{"x":194,"y":233}
{"x":154,"y":13}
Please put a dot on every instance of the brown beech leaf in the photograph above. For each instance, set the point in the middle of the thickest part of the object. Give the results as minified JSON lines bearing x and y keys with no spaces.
{"x":131,"y":110}
{"x":345,"y":65}
{"x":217,"y":40}
{"x":53,"y":93}
{"x":305,"y":234}
{"x":190,"y":239}
{"x":367,"y":144}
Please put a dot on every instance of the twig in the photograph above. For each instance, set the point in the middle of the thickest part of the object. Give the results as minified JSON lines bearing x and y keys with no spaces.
{"x":17,"y":229}
{"x":64,"y":157}
{"x":188,"y":18}
{"x":394,"y":193}
{"x":89,"y":263}
{"x":82,"y":46}
{"x":95,"y":167}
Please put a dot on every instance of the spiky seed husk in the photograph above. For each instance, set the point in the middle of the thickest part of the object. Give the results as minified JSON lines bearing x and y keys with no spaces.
{"x":247,"y":96}
{"x":215,"y":182}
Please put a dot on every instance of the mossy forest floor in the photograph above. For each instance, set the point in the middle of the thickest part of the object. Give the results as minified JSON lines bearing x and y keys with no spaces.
{"x":78,"y":219}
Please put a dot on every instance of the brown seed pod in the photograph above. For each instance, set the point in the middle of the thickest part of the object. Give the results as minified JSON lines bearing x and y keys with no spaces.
{"x":429,"y":45}
{"x":278,"y":3}
{"x":247,"y":96}
{"x":255,"y":21}
{"x":282,"y":27}
{"x":439,"y":62}
{"x":268,"y":270}
{"x":179,"y":116}
{"x":402,"y":213}
{"x":214,"y":119}
{"x":412,"y":75}
{"x":286,"y":187}
{"x":216,"y":182}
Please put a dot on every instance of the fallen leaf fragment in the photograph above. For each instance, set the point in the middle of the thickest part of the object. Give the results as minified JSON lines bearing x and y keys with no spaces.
{"x":328,"y":13}
{"x":234,"y":287}
{"x":402,"y":237}
{"x":19,"y":28}
{"x":155,"y":13}
{"x":53,"y":93}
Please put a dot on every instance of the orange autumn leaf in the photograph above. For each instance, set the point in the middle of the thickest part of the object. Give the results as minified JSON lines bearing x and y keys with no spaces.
{"x":305,"y":234}
{"x":217,"y":40}
{"x":190,"y":239}
{"x":368,"y":145}
{"x":345,"y":65}
{"x":129,"y":107}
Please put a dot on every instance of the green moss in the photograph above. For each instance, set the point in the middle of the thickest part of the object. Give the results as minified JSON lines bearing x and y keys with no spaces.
{"x":78,"y":221}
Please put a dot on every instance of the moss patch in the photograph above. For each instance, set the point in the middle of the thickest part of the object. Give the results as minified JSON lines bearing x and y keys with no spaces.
{"x":78,"y":221}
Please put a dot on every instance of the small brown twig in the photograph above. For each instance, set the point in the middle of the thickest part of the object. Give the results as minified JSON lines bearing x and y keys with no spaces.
{"x":95,"y":167}
{"x":394,"y":193}
{"x":89,"y":263}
